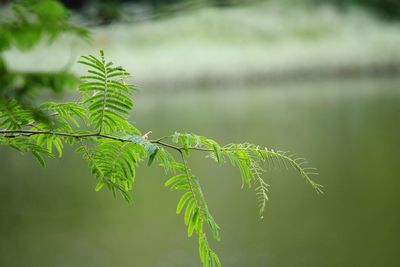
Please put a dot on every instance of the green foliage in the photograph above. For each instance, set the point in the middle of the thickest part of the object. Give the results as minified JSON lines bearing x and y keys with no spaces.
{"x":249,"y":159}
{"x":107,"y":97}
{"x":98,"y":127}
{"x":23,"y":24}
{"x":114,"y":164}
{"x":196,"y":212}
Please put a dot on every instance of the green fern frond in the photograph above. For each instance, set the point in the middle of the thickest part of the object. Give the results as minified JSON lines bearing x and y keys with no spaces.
{"x":289,"y":161}
{"x":262,"y":188}
{"x":196,"y":211}
{"x":249,"y":158}
{"x":208,"y":257}
{"x":107,"y":96}
{"x":244,"y":154}
{"x":117,"y":162}
{"x":167,"y":161}
{"x":14,"y":116}
{"x":190,"y":141}
{"x":49,"y":141}
{"x":68,"y":113}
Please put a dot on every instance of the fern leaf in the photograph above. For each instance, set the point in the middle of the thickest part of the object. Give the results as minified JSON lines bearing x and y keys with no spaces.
{"x":196,"y":212}
{"x":114,"y":164}
{"x":108,"y":96}
{"x":14,"y":116}
{"x":298,"y":164}
{"x":248,"y":158}
{"x":67,"y":114}
{"x":182,"y":202}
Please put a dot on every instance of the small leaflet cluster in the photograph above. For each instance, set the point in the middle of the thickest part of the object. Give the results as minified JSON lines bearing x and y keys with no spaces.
{"x":196,"y":210}
{"x":97,"y":126}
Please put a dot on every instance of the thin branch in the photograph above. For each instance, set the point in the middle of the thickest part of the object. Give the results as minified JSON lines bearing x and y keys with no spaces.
{"x":179,"y":149}
{"x":160,"y":139}
{"x":293,"y":162}
{"x":27,"y":133}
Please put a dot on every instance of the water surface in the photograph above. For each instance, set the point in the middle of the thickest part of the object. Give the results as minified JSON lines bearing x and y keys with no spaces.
{"x":349,"y":130}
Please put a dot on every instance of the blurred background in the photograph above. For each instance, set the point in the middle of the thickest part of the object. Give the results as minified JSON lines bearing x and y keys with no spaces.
{"x":315,"y":77}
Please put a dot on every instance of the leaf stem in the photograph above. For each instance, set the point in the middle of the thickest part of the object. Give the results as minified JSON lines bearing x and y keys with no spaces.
{"x":26,"y":133}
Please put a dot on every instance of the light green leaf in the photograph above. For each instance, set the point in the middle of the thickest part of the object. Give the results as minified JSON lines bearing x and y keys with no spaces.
{"x":182,"y":201}
{"x":174,"y":179}
{"x":99,"y":186}
{"x":189,"y":210}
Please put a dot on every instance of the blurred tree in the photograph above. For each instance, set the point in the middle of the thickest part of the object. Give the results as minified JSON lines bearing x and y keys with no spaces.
{"x":387,"y":8}
{"x":109,"y":10}
{"x":23,"y":24}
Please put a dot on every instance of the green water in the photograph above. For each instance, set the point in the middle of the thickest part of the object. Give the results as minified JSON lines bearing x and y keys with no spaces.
{"x":349,"y":130}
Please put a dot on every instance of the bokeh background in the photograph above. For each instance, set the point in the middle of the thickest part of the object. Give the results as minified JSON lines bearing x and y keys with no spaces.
{"x":317,"y":77}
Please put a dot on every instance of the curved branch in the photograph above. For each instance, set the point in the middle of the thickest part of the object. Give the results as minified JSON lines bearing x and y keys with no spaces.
{"x":27,"y":133}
